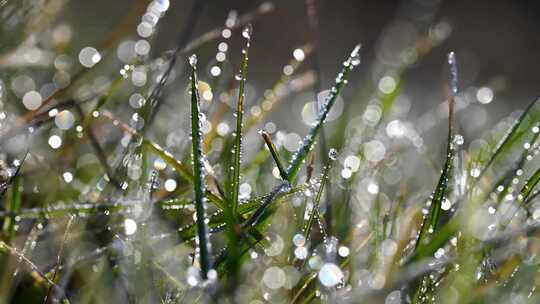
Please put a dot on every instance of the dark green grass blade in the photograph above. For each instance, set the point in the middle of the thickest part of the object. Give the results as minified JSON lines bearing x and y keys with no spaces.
{"x":530,"y":184}
{"x":198,"y":174}
{"x":275,"y":155}
{"x":315,"y":211}
{"x":431,"y":221}
{"x":300,"y":155}
{"x":506,"y":180}
{"x":237,"y":148}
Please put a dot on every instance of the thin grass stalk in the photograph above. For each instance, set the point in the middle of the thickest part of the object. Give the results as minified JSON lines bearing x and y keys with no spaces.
{"x":237,"y":148}
{"x":431,"y":221}
{"x":275,"y":155}
{"x":324,"y":179}
{"x":507,"y":139}
{"x":300,"y":155}
{"x":198,"y":173}
{"x":59,"y":256}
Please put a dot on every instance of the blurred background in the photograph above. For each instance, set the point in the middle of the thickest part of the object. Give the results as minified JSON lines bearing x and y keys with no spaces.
{"x":496,"y":44}
{"x":497,"y":41}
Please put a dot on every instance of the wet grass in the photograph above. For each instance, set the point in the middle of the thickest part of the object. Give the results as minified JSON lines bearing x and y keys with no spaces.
{"x":140,"y":205}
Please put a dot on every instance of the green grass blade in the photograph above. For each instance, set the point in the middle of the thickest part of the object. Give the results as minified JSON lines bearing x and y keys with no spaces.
{"x":198,"y":174}
{"x":530,"y":184}
{"x":315,"y":211}
{"x":237,"y":148}
{"x":275,"y":155}
{"x":300,"y":155}
{"x":522,"y":126}
{"x":431,"y":221}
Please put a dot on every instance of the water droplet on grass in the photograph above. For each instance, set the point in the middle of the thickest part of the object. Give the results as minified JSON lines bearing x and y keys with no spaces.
{"x":330,"y":275}
{"x":247,"y":31}
{"x":333,"y":154}
{"x":193,"y":60}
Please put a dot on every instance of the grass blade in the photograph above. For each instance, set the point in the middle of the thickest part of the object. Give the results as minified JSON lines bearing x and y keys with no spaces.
{"x":431,"y":221}
{"x":198,"y":174}
{"x":530,"y":184}
{"x":315,"y":211}
{"x":307,"y":144}
{"x":237,"y":149}
{"x":270,"y":144}
{"x":523,"y":124}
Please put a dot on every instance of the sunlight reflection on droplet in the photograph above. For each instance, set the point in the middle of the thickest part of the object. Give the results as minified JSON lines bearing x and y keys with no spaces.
{"x":484,"y":95}
{"x":64,"y":120}
{"x":387,"y":84}
{"x":352,"y":162}
{"x":299,"y":55}
{"x":32,"y":100}
{"x":299,"y":240}
{"x":393,"y":298}
{"x":159,"y":164}
{"x":89,"y":56}
{"x":130,"y":226}
{"x":170,"y":185}
{"x":374,"y":150}
{"x":330,"y":275}
{"x":55,"y":141}
{"x":68,"y":177}
{"x":274,"y":277}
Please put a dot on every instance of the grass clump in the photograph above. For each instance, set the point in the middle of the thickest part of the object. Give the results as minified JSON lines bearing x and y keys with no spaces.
{"x":129,"y":201}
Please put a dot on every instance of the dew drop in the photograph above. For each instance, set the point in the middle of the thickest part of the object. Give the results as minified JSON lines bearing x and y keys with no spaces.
{"x":193,"y":60}
{"x":55,"y":141}
{"x":458,"y":139}
{"x":355,"y":56}
{"x":170,"y":185}
{"x":274,"y":277}
{"x":299,"y":240}
{"x":332,"y":154}
{"x":301,"y":253}
{"x":446,"y":204}
{"x":64,"y":120}
{"x":130,"y":226}
{"x":393,"y":298}
{"x":32,"y":100}
{"x":330,"y":275}
{"x":247,"y":31}
{"x":159,"y":164}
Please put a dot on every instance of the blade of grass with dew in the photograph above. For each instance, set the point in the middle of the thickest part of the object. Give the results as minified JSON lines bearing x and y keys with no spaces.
{"x":529,"y":185}
{"x":59,"y":257}
{"x":198,"y":174}
{"x":431,"y":221}
{"x":506,"y":180}
{"x":14,"y":198}
{"x":233,"y":260}
{"x":526,"y":121}
{"x":300,"y":155}
{"x":239,"y":114}
{"x":425,"y":287}
{"x":510,"y":141}
{"x":307,"y":229}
